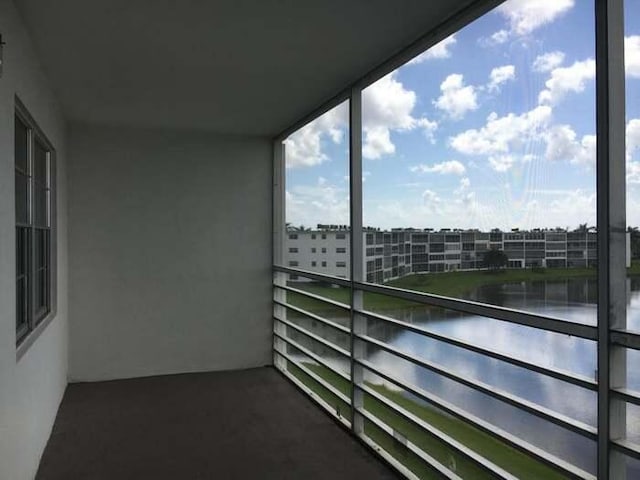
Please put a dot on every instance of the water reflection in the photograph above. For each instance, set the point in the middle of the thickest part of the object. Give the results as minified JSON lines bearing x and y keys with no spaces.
{"x":572,"y":299}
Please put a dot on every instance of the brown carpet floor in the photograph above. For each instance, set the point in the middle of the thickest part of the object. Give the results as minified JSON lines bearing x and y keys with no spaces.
{"x":225,"y":425}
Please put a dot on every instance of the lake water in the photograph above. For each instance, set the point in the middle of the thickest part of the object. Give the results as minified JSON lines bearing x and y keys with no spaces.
{"x":573,"y":300}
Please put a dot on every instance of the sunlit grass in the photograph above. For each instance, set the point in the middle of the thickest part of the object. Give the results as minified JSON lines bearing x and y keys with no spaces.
{"x":494,"y":450}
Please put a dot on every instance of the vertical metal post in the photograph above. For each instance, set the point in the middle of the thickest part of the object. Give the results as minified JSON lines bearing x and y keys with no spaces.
{"x":358,"y":323}
{"x":610,"y":119}
{"x":279,"y":231}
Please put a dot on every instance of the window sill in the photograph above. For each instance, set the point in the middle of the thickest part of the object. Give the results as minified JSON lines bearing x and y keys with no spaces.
{"x":31,"y":338}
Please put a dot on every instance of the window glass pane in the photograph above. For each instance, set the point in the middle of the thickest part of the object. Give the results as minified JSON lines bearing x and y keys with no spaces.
{"x":40,"y":203}
{"x":22,"y":279}
{"x":40,"y":164}
{"x":21,"y":301}
{"x":479,"y":183}
{"x":22,"y":198}
{"x":632,"y":109}
{"x":21,"y":142}
{"x":317,"y":194}
{"x":480,"y":164}
{"x":40,"y":245}
{"x":42,"y":287}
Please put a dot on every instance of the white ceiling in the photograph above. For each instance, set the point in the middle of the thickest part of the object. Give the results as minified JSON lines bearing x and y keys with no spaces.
{"x":231,"y":66}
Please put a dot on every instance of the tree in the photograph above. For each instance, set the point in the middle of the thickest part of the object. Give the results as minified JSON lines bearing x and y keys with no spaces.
{"x":634,"y":235}
{"x":495,"y":259}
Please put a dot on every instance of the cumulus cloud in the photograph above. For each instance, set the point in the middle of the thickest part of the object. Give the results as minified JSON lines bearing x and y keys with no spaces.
{"x":463,"y":195}
{"x":499,"y":37}
{"x":449,"y":167}
{"x":388,"y":106}
{"x":563,"y":145}
{"x":500,"y":75}
{"x":567,"y":79}
{"x":548,"y":61}
{"x":633,"y":173}
{"x":431,"y":200}
{"x":439,"y":50}
{"x":633,"y":135}
{"x":322,"y":202}
{"x":304,"y":147}
{"x":502,"y":134}
{"x":456,"y":99}
{"x":525,"y":16}
{"x":501,"y":163}
{"x":633,"y":144}
{"x":632,"y":56}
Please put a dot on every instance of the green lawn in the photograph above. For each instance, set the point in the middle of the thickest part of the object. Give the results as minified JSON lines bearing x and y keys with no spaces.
{"x":449,"y":284}
{"x":499,"y":453}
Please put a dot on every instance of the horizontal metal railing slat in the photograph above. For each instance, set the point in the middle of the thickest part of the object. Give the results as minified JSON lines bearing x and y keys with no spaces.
{"x":417,"y":451}
{"x":627,"y":395}
{"x":530,"y":407}
{"x":314,"y":337}
{"x":480,"y":461}
{"x":312,"y":355}
{"x":625,"y":338}
{"x":568,"y":377}
{"x":490,"y":311}
{"x":320,"y":319}
{"x":628,"y":448}
{"x":319,"y":298}
{"x":331,"y":388}
{"x":343,"y":282}
{"x":496,"y":432}
{"x":316,"y":398}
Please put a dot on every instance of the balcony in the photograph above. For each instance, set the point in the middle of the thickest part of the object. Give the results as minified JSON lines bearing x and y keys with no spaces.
{"x":280,"y":239}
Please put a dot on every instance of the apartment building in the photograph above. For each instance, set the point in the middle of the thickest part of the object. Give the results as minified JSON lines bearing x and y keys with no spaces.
{"x":399,"y":252}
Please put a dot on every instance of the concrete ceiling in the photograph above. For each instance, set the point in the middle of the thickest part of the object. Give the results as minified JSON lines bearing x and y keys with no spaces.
{"x":230,"y":66}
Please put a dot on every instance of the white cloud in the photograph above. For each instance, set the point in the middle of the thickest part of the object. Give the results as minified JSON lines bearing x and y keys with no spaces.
{"x":439,"y":50}
{"x":567,"y":79}
{"x":388,"y":106}
{"x":571,"y":209}
{"x":548,"y":61}
{"x":456,"y":99}
{"x":632,"y":56}
{"x":633,"y":135}
{"x":464,"y":196}
{"x":525,"y":16}
{"x":499,"y":75}
{"x":304,"y":147}
{"x":499,"y":37}
{"x":323,"y":202}
{"x":502,"y":134}
{"x":449,"y":167}
{"x":431,"y":200}
{"x":633,"y":173}
{"x":563,"y":145}
{"x":501,"y":163}
{"x":377,"y":142}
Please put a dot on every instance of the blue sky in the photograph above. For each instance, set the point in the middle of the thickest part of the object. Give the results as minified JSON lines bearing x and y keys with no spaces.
{"x":493,"y":127}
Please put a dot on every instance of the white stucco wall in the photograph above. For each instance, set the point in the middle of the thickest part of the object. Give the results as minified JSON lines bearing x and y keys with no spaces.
{"x":30,"y":388}
{"x":171,"y":239}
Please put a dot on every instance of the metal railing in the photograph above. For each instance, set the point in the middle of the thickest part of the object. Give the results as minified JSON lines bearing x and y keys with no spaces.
{"x":300,"y":353}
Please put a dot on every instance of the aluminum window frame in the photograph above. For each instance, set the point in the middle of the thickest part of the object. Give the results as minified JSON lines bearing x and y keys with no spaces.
{"x":610,"y":333}
{"x":38,"y":320}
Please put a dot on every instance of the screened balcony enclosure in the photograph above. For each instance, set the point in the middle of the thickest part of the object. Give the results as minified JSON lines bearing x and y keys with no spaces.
{"x":357,"y":239}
